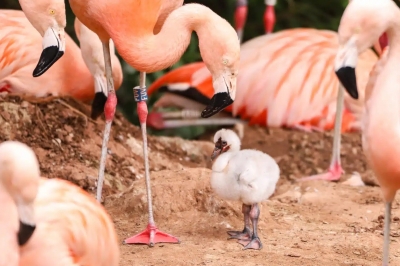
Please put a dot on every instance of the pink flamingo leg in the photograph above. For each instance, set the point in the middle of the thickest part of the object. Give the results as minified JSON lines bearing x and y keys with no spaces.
{"x":151,"y":235}
{"x":335,"y":169}
{"x":269,"y":16}
{"x":240,"y":17}
{"x":109,"y":111}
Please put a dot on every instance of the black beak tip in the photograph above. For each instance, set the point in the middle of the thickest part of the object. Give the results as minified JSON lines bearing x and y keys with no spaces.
{"x":25,"y":232}
{"x":49,"y":56}
{"x":218,"y":102}
{"x":347,"y":76}
{"x":98,"y":104}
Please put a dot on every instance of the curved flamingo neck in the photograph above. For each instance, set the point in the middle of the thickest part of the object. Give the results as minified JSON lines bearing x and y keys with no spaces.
{"x":384,"y":98}
{"x":148,"y":52}
{"x":78,"y":82}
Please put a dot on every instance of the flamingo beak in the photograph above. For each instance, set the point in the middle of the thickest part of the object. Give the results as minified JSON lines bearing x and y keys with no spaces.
{"x":220,"y":147}
{"x":26,"y":223}
{"x":225,"y":91}
{"x":215,"y":153}
{"x":53,"y":48}
{"x":100,"y":97}
{"x":25,"y":232}
{"x":345,"y":63}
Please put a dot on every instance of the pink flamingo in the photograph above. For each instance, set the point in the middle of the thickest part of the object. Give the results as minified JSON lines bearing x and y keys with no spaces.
{"x":49,"y":221}
{"x":148,"y":47}
{"x":362,"y":23}
{"x":20,"y":44}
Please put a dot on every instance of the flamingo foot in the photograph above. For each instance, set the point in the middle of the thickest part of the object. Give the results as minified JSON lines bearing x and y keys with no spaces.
{"x":241,"y":235}
{"x":150,"y":236}
{"x":334,"y":173}
{"x":253,"y":243}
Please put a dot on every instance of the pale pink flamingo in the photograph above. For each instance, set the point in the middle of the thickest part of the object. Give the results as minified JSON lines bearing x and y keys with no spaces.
{"x":362,"y":23}
{"x":49,"y":19}
{"x":47,"y":222}
{"x":148,"y":47}
{"x":274,"y":91}
{"x":21,"y":48}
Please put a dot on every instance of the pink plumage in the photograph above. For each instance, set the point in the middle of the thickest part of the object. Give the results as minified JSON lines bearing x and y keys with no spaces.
{"x":286,"y":79}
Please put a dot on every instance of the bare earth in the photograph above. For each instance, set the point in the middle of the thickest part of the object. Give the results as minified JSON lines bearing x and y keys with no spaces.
{"x":312,"y":223}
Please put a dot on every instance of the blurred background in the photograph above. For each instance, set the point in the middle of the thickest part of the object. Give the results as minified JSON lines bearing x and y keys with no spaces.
{"x":289,"y":14}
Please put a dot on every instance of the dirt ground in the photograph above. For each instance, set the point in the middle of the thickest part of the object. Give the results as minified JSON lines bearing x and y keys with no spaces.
{"x":309,"y":223}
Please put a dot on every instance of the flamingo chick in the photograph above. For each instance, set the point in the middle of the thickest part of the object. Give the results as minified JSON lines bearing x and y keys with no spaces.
{"x":249,"y":176}
{"x":363,"y":21}
{"x":46,"y":222}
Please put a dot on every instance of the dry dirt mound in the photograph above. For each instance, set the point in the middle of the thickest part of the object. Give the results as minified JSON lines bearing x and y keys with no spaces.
{"x":312,"y":223}
{"x":68,"y":144}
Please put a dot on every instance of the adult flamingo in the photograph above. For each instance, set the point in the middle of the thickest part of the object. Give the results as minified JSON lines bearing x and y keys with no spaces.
{"x":21,"y":47}
{"x":138,"y":38}
{"x":362,"y":22}
{"x":49,"y":19}
{"x":57,"y":223}
{"x":241,"y":16}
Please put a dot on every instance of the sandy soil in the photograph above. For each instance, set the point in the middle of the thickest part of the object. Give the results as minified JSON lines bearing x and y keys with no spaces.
{"x":310,"y":223}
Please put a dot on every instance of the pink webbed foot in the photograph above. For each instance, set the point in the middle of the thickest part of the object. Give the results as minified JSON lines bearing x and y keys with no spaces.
{"x":334,"y":173}
{"x":241,"y":235}
{"x":253,"y":243}
{"x":150,"y":236}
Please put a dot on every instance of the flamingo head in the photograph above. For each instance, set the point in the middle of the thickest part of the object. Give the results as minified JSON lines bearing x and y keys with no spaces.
{"x":362,"y":23}
{"x":220,"y":50}
{"x":49,"y":19}
{"x":224,"y":140}
{"x":19,"y":179}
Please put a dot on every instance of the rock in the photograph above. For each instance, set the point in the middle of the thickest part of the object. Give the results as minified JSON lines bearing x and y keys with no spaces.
{"x":354,"y":181}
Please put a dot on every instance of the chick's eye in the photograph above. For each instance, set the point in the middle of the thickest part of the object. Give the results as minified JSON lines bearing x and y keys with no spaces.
{"x":224,"y":143}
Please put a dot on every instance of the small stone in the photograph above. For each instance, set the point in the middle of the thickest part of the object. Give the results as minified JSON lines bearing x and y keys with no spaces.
{"x":68,"y":138}
{"x":24,"y":104}
{"x":68,"y":128}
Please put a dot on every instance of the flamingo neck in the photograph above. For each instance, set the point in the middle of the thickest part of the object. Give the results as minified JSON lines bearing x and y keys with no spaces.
{"x":384,"y":100}
{"x":79,"y":85}
{"x":149,"y":53}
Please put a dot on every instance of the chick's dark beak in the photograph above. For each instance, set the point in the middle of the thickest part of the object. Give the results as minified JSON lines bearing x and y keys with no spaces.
{"x":347,"y":76}
{"x":217,"y":151}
